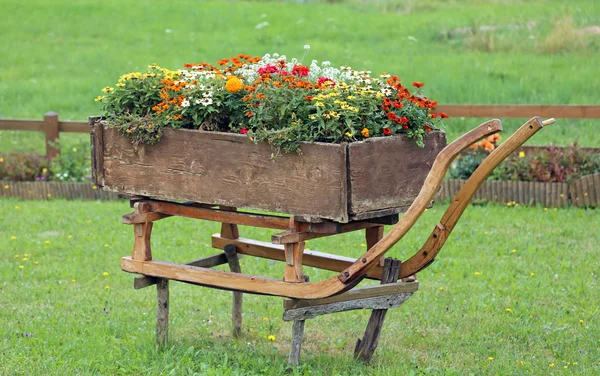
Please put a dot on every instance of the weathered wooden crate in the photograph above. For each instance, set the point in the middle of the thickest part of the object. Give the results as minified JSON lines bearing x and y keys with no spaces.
{"x":340,"y":182}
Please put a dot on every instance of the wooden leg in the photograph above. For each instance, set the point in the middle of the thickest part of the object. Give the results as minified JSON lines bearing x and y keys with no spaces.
{"x":230,"y":231}
{"x":162,"y":312}
{"x":142,"y":233}
{"x":365,"y":348}
{"x":236,"y":309}
{"x":297,"y":335}
{"x":294,"y":253}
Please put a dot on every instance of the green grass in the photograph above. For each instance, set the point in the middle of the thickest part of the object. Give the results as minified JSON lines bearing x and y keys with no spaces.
{"x":452,"y":325}
{"x":57,"y":56}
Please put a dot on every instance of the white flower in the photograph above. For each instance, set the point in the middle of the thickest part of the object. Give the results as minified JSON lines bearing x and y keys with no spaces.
{"x":198,"y":101}
{"x":207,"y":94}
{"x":185,"y":103}
{"x":261,"y":25}
{"x":386,"y":91}
{"x":206,"y":101}
{"x":307,"y":47}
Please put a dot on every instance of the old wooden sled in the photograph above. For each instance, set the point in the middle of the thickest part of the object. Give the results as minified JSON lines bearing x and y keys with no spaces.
{"x":289,"y":245}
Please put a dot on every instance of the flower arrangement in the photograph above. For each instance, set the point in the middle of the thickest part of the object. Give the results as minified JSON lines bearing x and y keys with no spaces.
{"x":269,"y":99}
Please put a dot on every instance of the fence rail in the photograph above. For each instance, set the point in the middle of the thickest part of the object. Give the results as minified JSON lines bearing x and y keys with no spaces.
{"x":52,"y":126}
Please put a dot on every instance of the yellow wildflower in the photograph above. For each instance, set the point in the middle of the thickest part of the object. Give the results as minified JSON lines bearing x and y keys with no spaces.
{"x":121,"y":84}
{"x":508,"y":310}
{"x":365,"y":132}
{"x":17,"y":207}
{"x":94,"y":187}
{"x":514,"y":251}
{"x":107,"y":89}
{"x":265,"y":319}
{"x":73,"y":281}
{"x":1,"y":160}
{"x":348,"y":134}
{"x":24,"y":259}
{"x":441,"y":289}
{"x":477,"y":273}
{"x":313,"y":117}
{"x":107,"y":287}
{"x":21,"y":266}
{"x":105,"y":245}
{"x":6,"y":187}
{"x":271,"y":338}
{"x":44,"y":170}
{"x":69,"y":237}
{"x":532,"y":274}
{"x":99,"y":98}
{"x":581,"y":321}
{"x":521,"y":154}
{"x":233,"y":84}
{"x":319,"y":104}
{"x":105,"y":274}
{"x":13,"y":238}
{"x":551,"y":365}
{"x":491,"y":358}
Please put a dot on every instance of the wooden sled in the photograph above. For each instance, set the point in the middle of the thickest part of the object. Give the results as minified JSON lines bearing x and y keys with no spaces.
{"x":288,"y":246}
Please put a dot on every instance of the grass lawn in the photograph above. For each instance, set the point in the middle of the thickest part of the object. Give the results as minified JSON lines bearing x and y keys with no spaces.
{"x":58,"y":55}
{"x":515,"y":291}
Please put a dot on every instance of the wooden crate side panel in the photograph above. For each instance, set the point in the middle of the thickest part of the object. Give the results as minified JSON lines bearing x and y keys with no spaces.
{"x":227,"y":169}
{"x":388,"y":172}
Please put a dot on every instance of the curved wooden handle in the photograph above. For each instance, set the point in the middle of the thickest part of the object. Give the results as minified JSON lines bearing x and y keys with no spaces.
{"x":430,"y":187}
{"x":442,"y":230}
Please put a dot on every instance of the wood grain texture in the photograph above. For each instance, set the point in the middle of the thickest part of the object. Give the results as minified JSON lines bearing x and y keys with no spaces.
{"x":236,"y":307}
{"x":379,"y":302}
{"x":388,"y":172}
{"x":296,"y":346}
{"x":226,"y":169}
{"x":270,"y":251}
{"x":162,"y":312}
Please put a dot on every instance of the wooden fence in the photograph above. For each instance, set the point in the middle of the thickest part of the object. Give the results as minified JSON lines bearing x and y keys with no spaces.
{"x":52,"y":126}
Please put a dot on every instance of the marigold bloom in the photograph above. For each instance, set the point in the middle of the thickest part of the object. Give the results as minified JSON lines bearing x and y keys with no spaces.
{"x":300,"y":71}
{"x":365,"y":132}
{"x":387,"y":131}
{"x":443,"y":115}
{"x":234,"y":85}
{"x":417,"y":84}
{"x":487,"y":145}
{"x":427,"y":128}
{"x":222,"y":61}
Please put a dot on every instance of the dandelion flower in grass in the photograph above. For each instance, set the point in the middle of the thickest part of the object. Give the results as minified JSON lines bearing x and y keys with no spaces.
{"x":17,"y":207}
{"x":107,"y":287}
{"x":24,"y":259}
{"x":265,"y":319}
{"x":514,"y":251}
{"x":477,"y":273}
{"x":521,"y":154}
{"x":17,"y":256}
{"x":551,"y":365}
{"x":36,"y":262}
{"x":271,"y":338}
{"x":491,"y":358}
{"x":581,"y":321}
{"x":508,"y":310}
{"x":21,"y":266}
{"x":105,"y":245}
{"x":441,"y":289}
{"x":73,"y":280}
{"x":105,"y":274}
{"x":532,"y":274}
{"x":211,"y":317}
{"x":69,"y":237}
{"x":13,"y":238}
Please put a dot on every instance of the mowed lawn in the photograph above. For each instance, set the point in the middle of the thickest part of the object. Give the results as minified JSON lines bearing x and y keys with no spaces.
{"x":515,"y":291}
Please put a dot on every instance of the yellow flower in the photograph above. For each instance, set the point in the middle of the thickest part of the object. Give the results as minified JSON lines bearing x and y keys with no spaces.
{"x":1,"y":160}
{"x":105,"y":274}
{"x":514,"y":251}
{"x":551,"y":365}
{"x":265,"y":319}
{"x":36,"y":262}
{"x":107,"y":287}
{"x":17,"y":256}
{"x":105,"y":245}
{"x":44,"y":170}
{"x":48,"y":195}
{"x":120,"y":84}
{"x":6,"y":187}
{"x":17,"y":207}
{"x":74,"y":150}
{"x":233,"y":84}
{"x":532,"y":274}
{"x":73,"y":281}
{"x":522,"y":363}
{"x":312,"y":117}
{"x":271,"y":338}
{"x":13,"y":238}
{"x":94,"y":187}
{"x":477,"y":273}
{"x":211,"y":317}
{"x":319,"y":104}
{"x":581,"y":321}
{"x":441,"y":289}
{"x":24,"y":259}
{"x":521,"y":154}
{"x":491,"y":358}
{"x":69,"y":237}
{"x":365,"y":132}
{"x":348,"y":134}
{"x":107,"y":89}
{"x":508,"y":310}
{"x":47,"y":242}
{"x":21,"y":266}
{"x":99,"y":98}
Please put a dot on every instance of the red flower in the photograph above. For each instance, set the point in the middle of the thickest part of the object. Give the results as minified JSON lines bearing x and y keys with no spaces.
{"x":309,"y":97}
{"x":322,"y":80}
{"x":385,"y":108}
{"x":300,"y":71}
{"x":443,"y":115}
{"x":268,"y":69}
{"x":244,"y":130}
{"x":417,"y":84}
{"x":387,"y":131}
{"x":433,"y":115}
{"x":427,"y":129}
{"x":397,"y":104}
{"x":404,"y":119}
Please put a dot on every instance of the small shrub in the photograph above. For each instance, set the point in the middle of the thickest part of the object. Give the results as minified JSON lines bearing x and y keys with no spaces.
{"x":72,"y":164}
{"x":464,"y":166}
{"x":23,"y":166}
{"x":564,"y":38}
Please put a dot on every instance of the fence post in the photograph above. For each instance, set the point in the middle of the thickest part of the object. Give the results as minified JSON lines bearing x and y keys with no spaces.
{"x":51,"y":130}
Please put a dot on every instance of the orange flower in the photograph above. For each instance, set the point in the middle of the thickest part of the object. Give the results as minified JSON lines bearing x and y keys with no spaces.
{"x":365,"y":132}
{"x":387,"y":131}
{"x":417,"y":84}
{"x":493,"y":138}
{"x":487,"y":145}
{"x":222,"y":61}
{"x":233,"y":85}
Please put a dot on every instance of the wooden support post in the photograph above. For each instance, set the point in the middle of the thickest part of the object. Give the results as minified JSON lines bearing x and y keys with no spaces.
{"x":51,"y":126}
{"x":294,"y":252}
{"x":296,"y":347}
{"x":142,"y":232}
{"x":162,"y":312}
{"x":236,"y":309}
{"x":365,"y":348}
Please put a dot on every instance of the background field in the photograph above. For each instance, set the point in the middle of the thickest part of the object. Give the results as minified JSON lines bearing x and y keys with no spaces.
{"x":531,"y":311}
{"x":58,"y":55}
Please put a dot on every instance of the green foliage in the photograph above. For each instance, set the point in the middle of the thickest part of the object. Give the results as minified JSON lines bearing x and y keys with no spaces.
{"x":72,"y":164}
{"x":22,"y":166}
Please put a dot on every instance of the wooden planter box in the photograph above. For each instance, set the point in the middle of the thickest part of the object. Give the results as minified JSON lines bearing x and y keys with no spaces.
{"x":339,"y":182}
